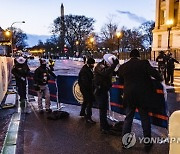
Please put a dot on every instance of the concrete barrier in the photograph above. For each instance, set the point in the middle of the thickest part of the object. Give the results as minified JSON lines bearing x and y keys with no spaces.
{"x":174,"y":133}
{"x":6,"y":64}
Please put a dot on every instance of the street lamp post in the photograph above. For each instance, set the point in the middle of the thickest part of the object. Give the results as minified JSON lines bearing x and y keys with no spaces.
{"x":7,"y":33}
{"x":6,"y":37}
{"x":13,"y":35}
{"x":118,"y":34}
{"x":77,"y":43}
{"x":169,"y":24}
{"x":92,"y":41}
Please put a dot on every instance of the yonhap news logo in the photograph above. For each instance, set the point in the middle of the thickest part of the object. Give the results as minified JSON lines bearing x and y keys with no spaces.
{"x":129,"y":140}
{"x":159,"y":140}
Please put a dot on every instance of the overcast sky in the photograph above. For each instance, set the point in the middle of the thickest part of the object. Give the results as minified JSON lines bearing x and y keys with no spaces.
{"x":39,"y":14}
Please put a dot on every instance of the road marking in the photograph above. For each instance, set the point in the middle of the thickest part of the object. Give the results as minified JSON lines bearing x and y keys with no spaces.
{"x":177,"y":84}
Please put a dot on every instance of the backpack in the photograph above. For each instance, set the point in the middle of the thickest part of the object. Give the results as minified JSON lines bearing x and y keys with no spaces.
{"x":55,"y":115}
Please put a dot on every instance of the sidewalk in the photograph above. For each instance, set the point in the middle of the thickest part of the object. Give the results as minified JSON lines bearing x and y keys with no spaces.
{"x":8,"y":115}
{"x":74,"y":136}
{"x":5,"y":118}
{"x":38,"y":135}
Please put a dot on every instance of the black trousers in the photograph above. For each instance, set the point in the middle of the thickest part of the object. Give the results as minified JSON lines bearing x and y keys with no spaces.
{"x":145,"y":121}
{"x":102,"y":98}
{"x":86,"y":107}
{"x":21,"y":88}
{"x":170,"y":75}
{"x":162,"y":70}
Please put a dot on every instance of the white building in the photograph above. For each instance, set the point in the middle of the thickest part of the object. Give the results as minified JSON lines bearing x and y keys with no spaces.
{"x":166,"y":34}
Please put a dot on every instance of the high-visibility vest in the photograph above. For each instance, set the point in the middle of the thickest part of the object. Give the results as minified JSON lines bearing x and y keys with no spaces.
{"x":51,"y":63}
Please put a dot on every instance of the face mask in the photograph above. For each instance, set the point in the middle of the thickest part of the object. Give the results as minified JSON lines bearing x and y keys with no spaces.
{"x":20,"y":64}
{"x":43,"y":65}
{"x":91,"y":66}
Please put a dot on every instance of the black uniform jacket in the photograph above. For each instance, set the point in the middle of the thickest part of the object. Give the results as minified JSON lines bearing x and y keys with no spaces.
{"x":170,"y":63}
{"x":85,"y":80}
{"x":138,"y":86}
{"x":20,"y":70}
{"x":103,"y":76}
{"x":42,"y":75}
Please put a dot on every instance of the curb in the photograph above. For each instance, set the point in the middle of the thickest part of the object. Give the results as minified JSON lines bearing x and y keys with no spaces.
{"x":9,"y":146}
{"x":10,"y":142}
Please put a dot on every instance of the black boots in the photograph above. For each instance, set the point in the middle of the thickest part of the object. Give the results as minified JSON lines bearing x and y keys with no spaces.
{"x":90,"y":121}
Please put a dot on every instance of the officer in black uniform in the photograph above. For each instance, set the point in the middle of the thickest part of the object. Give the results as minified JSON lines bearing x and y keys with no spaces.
{"x":51,"y":64}
{"x":85,"y":81}
{"x":162,"y":64}
{"x":41,"y":77}
{"x":103,"y":81}
{"x":84,"y":59}
{"x":137,"y":92}
{"x":170,"y":69}
{"x":21,"y":70}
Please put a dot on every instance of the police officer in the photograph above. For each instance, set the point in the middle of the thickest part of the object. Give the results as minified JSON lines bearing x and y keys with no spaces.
{"x":170,"y":69}
{"x":21,"y":70}
{"x":162,"y":61}
{"x":85,"y":81}
{"x":84,"y":59}
{"x":51,"y":64}
{"x":103,"y":81}
{"x":41,"y":77}
{"x":137,"y":91}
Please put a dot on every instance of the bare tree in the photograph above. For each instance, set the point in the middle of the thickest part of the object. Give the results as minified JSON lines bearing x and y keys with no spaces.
{"x":19,"y":38}
{"x":77,"y":28}
{"x":131,"y":39}
{"x":108,"y":37}
{"x":146,"y":30}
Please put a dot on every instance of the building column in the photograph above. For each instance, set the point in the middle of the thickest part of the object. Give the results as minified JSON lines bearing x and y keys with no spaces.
{"x":157,"y":20}
{"x":170,"y":10}
{"x":178,"y":22}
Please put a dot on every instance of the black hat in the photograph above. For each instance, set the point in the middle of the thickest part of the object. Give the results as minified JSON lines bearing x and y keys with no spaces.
{"x":170,"y":54}
{"x":90,"y":61}
{"x":42,"y":61}
{"x":161,"y":52}
{"x":134,"y":53}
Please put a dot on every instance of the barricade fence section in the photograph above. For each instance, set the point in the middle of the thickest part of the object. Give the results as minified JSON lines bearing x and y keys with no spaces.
{"x":6,"y":64}
{"x":159,"y":117}
{"x":68,"y":90}
{"x":69,"y":93}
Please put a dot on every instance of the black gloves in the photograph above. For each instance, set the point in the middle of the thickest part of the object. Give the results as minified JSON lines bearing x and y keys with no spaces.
{"x":115,"y":61}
